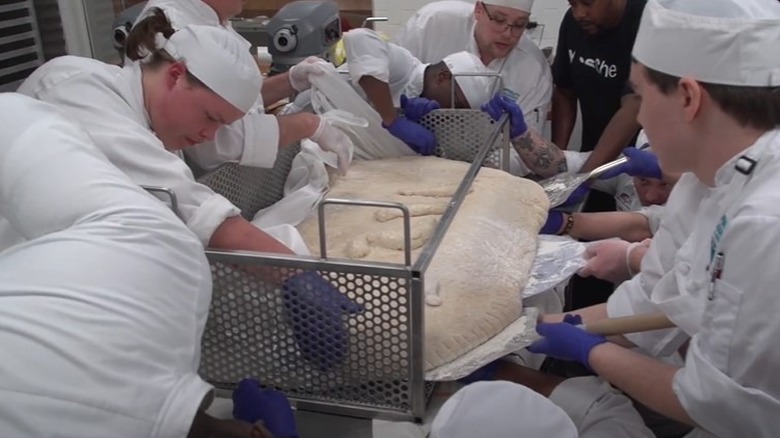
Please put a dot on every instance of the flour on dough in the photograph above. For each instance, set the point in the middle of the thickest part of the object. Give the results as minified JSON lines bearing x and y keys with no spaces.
{"x":424,"y":209}
{"x":482,"y":263}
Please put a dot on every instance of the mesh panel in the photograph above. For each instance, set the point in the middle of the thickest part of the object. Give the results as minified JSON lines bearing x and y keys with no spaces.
{"x":252,"y":188}
{"x":461,"y":133}
{"x":335,"y":336}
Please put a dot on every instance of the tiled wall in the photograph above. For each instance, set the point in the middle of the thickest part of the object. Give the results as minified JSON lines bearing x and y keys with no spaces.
{"x":547,"y":12}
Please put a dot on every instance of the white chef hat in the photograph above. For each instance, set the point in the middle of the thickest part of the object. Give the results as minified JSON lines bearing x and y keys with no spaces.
{"x":523,"y":5}
{"x":729,"y":42}
{"x":477,"y":89}
{"x":220,"y":60}
{"x":500,"y":410}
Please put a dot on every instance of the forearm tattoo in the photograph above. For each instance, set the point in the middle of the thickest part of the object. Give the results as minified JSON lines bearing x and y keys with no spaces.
{"x":541,"y":156}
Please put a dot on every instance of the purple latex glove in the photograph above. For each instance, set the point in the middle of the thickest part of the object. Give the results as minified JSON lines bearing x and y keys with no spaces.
{"x":251,"y":403}
{"x":640,"y":163}
{"x":314,"y":309}
{"x":554,"y":222}
{"x":417,"y":107}
{"x":501,"y":104}
{"x":487,"y":372}
{"x":577,"y":196}
{"x":565,"y":341}
{"x":420,"y":139}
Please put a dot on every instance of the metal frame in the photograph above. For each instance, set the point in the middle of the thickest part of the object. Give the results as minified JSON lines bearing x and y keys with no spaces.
{"x":497,"y":85}
{"x":172,"y":200}
{"x":396,"y":205}
{"x":336,"y":392}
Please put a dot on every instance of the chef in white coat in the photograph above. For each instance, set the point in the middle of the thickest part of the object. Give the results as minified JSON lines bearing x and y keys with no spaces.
{"x":386,"y":72}
{"x":494,"y":31}
{"x":402,"y":74}
{"x":141,"y":114}
{"x":390,"y":77}
{"x":710,"y":105}
{"x":103,"y":305}
{"x":254,"y":139}
{"x":81,"y":215}
{"x":176,"y":96}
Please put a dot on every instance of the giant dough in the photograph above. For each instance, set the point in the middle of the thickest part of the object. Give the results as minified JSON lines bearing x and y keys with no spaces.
{"x":483,"y":262}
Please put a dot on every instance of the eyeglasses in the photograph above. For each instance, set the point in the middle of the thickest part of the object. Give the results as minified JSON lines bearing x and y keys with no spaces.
{"x":500,"y":25}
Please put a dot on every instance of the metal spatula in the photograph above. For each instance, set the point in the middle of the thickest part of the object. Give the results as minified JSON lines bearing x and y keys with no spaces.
{"x":560,"y":187}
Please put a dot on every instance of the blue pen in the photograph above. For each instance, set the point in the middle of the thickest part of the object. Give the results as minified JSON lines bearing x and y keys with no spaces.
{"x":715,"y":273}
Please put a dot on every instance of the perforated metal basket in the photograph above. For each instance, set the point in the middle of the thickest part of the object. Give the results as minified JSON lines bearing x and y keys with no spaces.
{"x":366,"y":362}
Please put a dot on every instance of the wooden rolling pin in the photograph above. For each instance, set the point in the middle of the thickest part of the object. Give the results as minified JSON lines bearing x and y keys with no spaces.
{"x":629,"y":324}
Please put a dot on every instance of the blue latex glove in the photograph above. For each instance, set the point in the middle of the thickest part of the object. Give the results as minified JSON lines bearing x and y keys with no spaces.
{"x":487,"y":372}
{"x":577,"y":196}
{"x":417,"y":107}
{"x":420,"y":139}
{"x":554,"y":222}
{"x":572,"y":318}
{"x":640,"y":163}
{"x":251,"y":403}
{"x":501,"y":104}
{"x":314,"y":309}
{"x":565,"y":341}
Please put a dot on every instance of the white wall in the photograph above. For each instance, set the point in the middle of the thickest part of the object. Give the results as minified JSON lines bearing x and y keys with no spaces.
{"x":547,"y":12}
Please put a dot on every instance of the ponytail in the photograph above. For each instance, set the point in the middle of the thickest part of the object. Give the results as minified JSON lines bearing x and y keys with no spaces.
{"x":142,"y":39}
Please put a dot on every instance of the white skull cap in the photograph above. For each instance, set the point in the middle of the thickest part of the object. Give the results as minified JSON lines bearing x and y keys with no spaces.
{"x":501,"y":410}
{"x":220,"y":60}
{"x":477,"y":89}
{"x":727,"y":42}
{"x":522,"y":5}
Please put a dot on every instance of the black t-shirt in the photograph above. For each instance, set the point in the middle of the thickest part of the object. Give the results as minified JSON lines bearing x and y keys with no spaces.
{"x":596,"y":68}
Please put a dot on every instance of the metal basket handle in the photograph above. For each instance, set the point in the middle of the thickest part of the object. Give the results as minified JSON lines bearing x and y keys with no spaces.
{"x":349,"y":202}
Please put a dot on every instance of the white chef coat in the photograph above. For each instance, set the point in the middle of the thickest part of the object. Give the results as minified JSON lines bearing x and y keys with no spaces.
{"x":445,"y":27}
{"x":108,"y":102}
{"x":103,"y":307}
{"x":252,"y":140}
{"x":370,"y":55}
{"x":728,"y":385}
{"x":664,"y":266}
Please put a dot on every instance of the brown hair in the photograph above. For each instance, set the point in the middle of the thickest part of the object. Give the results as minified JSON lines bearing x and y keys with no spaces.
{"x":141,"y":38}
{"x":756,"y":107}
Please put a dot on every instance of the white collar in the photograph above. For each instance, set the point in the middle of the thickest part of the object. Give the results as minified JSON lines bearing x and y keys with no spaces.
{"x":416,"y":81}
{"x":132,"y":91}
